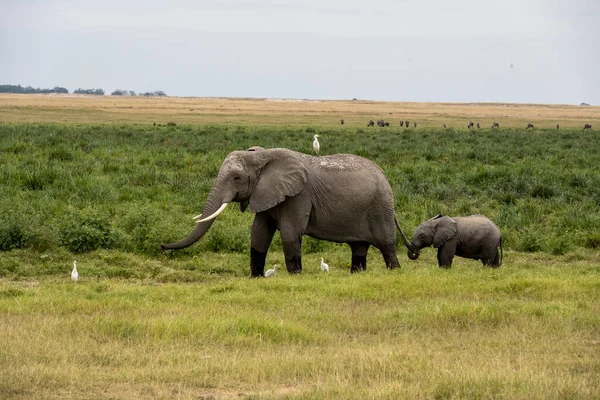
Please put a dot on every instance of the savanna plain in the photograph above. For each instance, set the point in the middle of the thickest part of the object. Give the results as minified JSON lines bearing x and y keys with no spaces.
{"x":105,"y":180}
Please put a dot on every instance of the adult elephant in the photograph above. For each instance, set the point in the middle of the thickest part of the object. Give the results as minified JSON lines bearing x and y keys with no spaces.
{"x":342,"y":198}
{"x":475,"y":237}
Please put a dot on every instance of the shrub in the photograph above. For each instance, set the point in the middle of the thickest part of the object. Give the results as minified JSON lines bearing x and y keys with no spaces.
{"x":86,"y":230}
{"x":311,"y":245}
{"x":227,"y":238}
{"x":13,"y":235}
{"x":145,"y":229}
{"x":593,"y":240}
{"x":530,"y":241}
{"x":560,"y":245}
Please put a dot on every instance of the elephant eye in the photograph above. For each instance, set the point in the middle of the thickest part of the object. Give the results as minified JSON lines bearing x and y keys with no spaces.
{"x":236,"y":178}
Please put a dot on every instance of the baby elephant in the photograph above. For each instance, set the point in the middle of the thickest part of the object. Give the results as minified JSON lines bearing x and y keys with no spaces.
{"x":473,"y":237}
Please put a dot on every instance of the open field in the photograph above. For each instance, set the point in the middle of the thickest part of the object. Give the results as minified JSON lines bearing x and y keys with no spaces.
{"x":526,"y":331}
{"x":100,"y":184}
{"x":199,"y":110}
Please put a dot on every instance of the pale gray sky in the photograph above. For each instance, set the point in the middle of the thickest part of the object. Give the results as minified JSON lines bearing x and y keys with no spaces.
{"x":526,"y":51}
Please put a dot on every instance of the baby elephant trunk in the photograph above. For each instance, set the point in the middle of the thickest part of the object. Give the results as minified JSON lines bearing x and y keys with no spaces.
{"x":411,"y":255}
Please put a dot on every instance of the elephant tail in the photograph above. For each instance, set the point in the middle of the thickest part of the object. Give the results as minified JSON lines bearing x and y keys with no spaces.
{"x":407,"y":242}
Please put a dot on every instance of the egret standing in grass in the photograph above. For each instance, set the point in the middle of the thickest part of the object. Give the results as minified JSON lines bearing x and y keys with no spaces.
{"x":316,"y":146}
{"x":271,"y":272}
{"x":324,"y":266}
{"x":74,"y":273}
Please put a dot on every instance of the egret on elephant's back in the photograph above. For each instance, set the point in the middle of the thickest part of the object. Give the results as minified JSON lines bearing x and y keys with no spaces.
{"x":316,"y":145}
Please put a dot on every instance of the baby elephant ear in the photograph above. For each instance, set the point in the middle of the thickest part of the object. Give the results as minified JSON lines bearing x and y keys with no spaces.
{"x":283,"y":175}
{"x":445,"y":229}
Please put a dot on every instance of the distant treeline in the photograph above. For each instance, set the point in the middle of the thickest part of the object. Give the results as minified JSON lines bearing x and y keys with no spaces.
{"x":30,"y":90}
{"x":122,"y":92}
{"x":58,"y":89}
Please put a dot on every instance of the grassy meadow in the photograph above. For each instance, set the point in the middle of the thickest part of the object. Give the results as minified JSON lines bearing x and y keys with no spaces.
{"x":77,"y":184}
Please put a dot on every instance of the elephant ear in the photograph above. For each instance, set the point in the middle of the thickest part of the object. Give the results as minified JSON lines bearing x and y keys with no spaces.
{"x":445,"y":229}
{"x":283,"y":175}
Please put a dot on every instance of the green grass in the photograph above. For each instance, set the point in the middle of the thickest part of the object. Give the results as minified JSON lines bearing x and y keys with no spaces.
{"x":190,"y":324}
{"x":132,"y":187}
{"x":527,"y":330}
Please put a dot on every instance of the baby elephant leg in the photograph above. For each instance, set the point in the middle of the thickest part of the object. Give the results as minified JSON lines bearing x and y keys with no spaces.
{"x":446,"y":254}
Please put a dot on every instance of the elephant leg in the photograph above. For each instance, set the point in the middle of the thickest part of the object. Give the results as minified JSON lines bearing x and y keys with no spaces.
{"x":292,"y":218}
{"x":291,"y":241}
{"x":359,"y":256}
{"x":292,"y":249}
{"x":493,"y":262}
{"x":389,"y":256}
{"x":262,"y":232}
{"x":446,"y":253}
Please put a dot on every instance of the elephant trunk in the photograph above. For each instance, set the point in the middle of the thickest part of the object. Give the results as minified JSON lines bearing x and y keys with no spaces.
{"x":412,"y":256}
{"x":411,"y":248}
{"x":213,"y":204}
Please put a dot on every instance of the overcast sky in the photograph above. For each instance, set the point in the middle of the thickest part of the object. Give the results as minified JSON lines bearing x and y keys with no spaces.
{"x":525,"y":51}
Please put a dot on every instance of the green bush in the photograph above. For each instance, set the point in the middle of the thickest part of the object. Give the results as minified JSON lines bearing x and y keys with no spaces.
{"x":311,"y":245}
{"x":13,"y":234}
{"x":530,"y":241}
{"x":86,"y":230}
{"x":227,"y":238}
{"x":593,"y":240}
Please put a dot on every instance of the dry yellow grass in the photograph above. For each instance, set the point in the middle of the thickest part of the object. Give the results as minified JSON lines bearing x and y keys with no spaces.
{"x":202,"y":110}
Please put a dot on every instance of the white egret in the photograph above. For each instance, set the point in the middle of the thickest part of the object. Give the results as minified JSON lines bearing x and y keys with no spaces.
{"x":316,"y":146}
{"x":324,"y":266}
{"x":271,"y":272}
{"x":74,"y":273}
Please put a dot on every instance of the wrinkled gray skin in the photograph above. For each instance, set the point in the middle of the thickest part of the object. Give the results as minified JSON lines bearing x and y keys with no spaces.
{"x":475,"y":237}
{"x":341,"y":198}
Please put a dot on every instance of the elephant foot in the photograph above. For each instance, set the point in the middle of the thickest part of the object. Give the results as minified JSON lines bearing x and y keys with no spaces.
{"x":257,"y":263}
{"x":391,"y":261}
{"x":491,"y":265}
{"x":294,"y":264}
{"x":446,"y":266}
{"x":359,"y":263}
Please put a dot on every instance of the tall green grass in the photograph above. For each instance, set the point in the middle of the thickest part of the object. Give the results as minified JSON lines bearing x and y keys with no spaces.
{"x":131,"y":187}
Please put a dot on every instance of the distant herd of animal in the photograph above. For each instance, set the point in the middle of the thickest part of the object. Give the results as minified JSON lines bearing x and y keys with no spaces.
{"x":471,"y":125}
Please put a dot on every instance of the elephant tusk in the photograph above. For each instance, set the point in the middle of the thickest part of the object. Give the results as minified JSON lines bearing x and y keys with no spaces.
{"x":197,"y":216}
{"x":214,"y":215}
